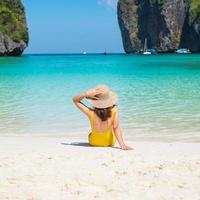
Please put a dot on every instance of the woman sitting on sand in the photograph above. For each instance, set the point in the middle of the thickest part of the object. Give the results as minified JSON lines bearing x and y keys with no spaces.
{"x":104,"y":118}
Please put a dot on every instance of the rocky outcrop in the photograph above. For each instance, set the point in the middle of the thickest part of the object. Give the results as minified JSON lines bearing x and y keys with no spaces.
{"x":191,"y":30}
{"x":13,"y":28}
{"x":166,"y":24}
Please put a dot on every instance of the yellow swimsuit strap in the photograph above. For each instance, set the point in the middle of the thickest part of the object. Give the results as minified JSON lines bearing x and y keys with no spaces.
{"x":92,"y":119}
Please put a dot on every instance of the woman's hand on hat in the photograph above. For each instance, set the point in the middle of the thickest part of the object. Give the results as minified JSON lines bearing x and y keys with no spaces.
{"x":96,"y":91}
{"x":91,"y":93}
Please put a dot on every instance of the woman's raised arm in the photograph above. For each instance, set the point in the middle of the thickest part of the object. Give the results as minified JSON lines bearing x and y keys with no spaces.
{"x":77,"y":101}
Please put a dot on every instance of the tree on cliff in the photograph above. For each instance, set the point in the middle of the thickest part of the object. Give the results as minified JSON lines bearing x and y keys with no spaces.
{"x":13,"y":28}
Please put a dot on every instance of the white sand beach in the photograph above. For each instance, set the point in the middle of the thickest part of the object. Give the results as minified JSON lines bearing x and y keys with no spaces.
{"x":49,"y":168}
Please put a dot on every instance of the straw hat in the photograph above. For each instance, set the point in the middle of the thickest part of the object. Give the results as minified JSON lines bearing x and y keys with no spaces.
{"x":106,"y":98}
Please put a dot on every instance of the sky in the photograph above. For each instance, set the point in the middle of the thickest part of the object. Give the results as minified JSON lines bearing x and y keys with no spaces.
{"x":72,"y":26}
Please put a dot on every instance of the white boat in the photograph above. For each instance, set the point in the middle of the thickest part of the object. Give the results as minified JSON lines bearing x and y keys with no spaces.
{"x":148,"y":51}
{"x":84,"y":53}
{"x":145,"y":52}
{"x":182,"y":51}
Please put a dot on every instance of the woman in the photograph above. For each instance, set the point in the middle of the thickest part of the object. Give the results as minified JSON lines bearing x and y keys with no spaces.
{"x":104,"y":118}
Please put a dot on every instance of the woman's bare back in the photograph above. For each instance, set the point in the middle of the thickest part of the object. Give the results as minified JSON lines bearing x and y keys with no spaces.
{"x":102,"y":126}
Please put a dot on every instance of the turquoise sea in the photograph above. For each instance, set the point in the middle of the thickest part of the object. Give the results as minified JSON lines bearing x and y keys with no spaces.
{"x":159,"y":96}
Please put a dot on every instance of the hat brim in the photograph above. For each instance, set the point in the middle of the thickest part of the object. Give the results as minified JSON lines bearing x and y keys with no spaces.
{"x":109,"y":102}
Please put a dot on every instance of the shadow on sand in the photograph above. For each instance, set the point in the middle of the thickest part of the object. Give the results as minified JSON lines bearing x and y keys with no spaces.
{"x":80,"y":144}
{"x":84,"y":144}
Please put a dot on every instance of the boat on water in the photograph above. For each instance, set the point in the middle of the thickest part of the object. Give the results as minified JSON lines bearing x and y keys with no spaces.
{"x":105,"y":53}
{"x":182,"y":51}
{"x":84,"y":53}
{"x":148,"y":51}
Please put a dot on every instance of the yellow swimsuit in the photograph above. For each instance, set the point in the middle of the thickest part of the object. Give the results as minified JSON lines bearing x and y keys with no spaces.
{"x":105,"y":138}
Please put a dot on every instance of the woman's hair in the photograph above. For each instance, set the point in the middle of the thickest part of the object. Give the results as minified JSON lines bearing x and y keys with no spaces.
{"x":103,"y":113}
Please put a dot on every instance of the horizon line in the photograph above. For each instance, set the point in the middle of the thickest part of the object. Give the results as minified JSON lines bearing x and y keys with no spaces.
{"x":72,"y":53}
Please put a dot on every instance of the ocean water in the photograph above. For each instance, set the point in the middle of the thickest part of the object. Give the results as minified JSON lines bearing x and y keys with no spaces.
{"x":159,"y":96}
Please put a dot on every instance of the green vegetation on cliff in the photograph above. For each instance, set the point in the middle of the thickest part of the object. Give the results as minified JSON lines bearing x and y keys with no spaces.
{"x":161,"y":2}
{"x":12,"y":21}
{"x":195,"y":9}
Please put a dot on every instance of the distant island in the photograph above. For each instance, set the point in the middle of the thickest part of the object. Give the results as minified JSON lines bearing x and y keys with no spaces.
{"x":13,"y":28}
{"x":166,"y":24}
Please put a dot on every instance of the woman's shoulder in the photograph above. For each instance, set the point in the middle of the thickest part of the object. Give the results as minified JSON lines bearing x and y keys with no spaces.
{"x":114,"y":109}
{"x":92,"y":113}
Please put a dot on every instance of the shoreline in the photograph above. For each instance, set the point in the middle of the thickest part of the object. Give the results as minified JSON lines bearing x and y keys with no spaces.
{"x":84,"y":137}
{"x":58,"y":168}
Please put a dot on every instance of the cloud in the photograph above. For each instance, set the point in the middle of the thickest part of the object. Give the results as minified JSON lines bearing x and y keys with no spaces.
{"x":108,"y":3}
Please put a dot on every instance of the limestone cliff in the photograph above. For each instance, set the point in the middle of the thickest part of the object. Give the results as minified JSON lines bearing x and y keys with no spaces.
{"x":13,"y":28}
{"x":167,"y":24}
